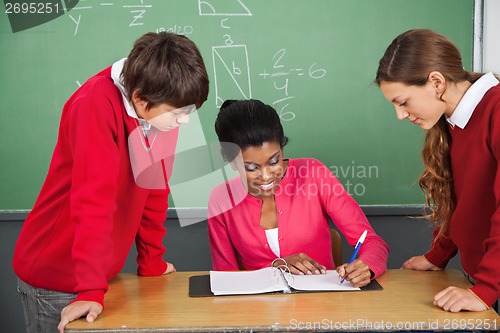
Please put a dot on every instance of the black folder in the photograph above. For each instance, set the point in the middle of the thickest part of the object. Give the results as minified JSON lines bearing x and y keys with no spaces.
{"x":199,"y":286}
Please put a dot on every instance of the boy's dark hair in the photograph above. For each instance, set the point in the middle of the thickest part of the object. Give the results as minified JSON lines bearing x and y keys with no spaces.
{"x":166,"y":68}
{"x":247,"y":123}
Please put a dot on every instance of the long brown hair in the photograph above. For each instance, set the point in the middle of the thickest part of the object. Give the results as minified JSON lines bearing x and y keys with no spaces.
{"x":409,"y":59}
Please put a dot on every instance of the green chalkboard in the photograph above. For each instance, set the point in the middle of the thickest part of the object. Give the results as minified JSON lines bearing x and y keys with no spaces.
{"x":314,"y":61}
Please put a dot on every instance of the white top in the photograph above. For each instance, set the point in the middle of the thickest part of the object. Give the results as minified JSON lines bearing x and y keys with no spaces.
{"x":471,"y":99}
{"x":272,"y":239}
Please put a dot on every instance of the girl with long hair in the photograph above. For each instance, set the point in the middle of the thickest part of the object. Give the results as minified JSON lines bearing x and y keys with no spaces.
{"x":422,"y":75}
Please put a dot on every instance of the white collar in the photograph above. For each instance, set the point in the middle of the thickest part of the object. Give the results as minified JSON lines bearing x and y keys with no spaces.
{"x":116,"y":75}
{"x":471,"y":99}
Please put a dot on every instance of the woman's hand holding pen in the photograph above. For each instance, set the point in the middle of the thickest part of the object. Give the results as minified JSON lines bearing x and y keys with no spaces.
{"x":356,"y":272}
{"x":302,"y":264}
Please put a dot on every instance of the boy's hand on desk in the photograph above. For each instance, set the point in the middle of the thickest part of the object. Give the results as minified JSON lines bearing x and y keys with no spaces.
{"x":420,"y":263}
{"x":79,"y":309}
{"x":302,"y":264}
{"x":357,"y":272}
{"x":455,"y":299}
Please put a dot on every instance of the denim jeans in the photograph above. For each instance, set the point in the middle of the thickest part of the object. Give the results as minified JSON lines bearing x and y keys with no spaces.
{"x":42,"y":307}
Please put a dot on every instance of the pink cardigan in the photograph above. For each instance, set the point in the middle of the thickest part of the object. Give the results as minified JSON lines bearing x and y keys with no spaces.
{"x":308,"y":194}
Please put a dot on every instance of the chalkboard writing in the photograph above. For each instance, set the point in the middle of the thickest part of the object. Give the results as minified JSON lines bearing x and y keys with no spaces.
{"x":313,"y":61}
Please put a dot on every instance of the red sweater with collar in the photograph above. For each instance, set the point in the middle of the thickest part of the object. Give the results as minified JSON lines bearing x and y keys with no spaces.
{"x":475,"y":224}
{"x":90,"y":210}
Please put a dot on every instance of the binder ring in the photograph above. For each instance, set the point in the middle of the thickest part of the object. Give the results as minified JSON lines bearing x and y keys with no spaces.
{"x":282,"y":265}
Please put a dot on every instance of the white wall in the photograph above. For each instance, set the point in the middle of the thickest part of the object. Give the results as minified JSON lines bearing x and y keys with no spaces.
{"x":491,"y":36}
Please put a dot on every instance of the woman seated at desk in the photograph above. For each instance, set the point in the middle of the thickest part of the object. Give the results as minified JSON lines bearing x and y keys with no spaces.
{"x":279,"y":207}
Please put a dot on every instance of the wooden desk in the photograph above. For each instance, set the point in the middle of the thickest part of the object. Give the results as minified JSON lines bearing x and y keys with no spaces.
{"x":162,"y":304}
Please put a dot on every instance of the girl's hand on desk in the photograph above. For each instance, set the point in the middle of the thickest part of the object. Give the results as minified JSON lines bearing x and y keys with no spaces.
{"x":78,"y":309}
{"x":170,"y":269}
{"x":302,"y":264}
{"x":455,"y":299}
{"x":420,"y":263}
{"x":357,"y":272}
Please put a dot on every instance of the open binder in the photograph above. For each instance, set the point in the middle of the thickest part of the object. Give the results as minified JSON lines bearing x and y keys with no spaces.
{"x":268,"y":280}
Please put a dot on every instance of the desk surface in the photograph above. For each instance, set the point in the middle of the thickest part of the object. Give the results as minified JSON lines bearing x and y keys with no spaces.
{"x":162,"y":304}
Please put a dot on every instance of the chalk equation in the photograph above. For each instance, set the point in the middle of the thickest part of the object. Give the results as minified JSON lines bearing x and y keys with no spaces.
{"x":281,"y":76}
{"x":231,"y":63}
{"x":232,"y":77}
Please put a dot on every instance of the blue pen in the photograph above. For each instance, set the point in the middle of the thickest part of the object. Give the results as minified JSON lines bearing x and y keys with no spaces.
{"x":356,"y":248}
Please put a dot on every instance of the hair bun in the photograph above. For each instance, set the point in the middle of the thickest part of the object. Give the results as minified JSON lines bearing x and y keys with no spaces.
{"x":227,"y":103}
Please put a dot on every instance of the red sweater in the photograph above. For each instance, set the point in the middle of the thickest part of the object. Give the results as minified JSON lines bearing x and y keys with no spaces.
{"x":90,"y":210}
{"x":475,"y":224}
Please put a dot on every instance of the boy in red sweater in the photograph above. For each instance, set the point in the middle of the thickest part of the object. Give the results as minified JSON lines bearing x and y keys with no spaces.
{"x":422,"y":75}
{"x":92,"y":206}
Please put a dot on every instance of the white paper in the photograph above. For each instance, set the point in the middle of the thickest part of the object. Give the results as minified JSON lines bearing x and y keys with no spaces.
{"x":273,"y":280}
{"x":318,"y":282}
{"x":247,"y":282}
